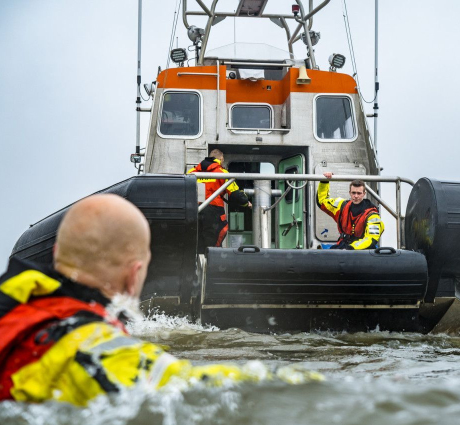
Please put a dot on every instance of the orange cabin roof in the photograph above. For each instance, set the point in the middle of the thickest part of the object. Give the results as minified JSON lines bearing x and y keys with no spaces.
{"x":266,"y":91}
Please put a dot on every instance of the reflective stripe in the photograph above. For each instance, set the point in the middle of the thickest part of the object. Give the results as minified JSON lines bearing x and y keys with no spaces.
{"x":113,"y":344}
{"x":160,"y":366}
{"x":27,"y":284}
{"x":359,"y":243}
{"x":206,"y":180}
{"x":337,"y":202}
{"x":374,"y":220}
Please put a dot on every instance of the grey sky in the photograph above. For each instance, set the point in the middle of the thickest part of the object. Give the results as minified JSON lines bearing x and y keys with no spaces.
{"x":67,"y":90}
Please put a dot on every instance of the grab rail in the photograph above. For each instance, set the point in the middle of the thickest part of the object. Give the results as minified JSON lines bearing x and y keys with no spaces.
{"x":230,"y":177}
{"x":305,"y":177}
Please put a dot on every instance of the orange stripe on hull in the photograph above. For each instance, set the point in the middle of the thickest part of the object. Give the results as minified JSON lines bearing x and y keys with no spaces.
{"x":266,"y":91}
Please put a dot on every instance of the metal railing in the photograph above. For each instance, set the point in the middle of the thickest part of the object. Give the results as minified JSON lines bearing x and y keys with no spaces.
{"x":304,"y":21}
{"x":397,"y":214}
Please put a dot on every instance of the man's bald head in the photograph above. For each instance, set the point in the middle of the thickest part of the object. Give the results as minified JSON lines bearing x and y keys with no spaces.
{"x":104,"y":242}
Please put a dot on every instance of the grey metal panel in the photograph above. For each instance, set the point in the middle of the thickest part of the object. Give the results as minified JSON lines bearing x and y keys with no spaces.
{"x":324,"y":223}
{"x":168,"y":157}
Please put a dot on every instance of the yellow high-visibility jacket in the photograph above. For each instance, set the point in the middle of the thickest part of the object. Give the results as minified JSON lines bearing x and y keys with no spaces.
{"x":364,"y":233}
{"x":60,"y":343}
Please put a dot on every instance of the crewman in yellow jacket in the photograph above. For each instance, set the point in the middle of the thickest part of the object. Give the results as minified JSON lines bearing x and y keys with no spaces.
{"x":59,"y":339}
{"x":358,"y":220}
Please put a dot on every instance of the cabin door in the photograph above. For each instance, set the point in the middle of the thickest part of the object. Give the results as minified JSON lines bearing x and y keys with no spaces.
{"x":290,"y":210}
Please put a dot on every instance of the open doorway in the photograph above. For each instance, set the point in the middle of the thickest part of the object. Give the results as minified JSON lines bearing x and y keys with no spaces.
{"x":241,"y":220}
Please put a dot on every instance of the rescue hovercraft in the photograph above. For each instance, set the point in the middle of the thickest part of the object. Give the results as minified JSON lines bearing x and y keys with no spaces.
{"x":282,"y":123}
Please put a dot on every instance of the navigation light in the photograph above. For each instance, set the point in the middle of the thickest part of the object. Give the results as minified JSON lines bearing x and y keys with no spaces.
{"x":295,"y":9}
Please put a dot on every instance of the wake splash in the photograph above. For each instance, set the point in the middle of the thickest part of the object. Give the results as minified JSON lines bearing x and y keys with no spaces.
{"x":157,"y":323}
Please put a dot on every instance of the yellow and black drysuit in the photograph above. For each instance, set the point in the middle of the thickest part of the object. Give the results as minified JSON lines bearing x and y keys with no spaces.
{"x":58,"y":342}
{"x":360,"y":226}
{"x":213,"y":225}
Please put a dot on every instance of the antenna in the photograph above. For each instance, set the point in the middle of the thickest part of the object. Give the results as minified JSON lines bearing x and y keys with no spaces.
{"x":138,"y":100}
{"x":137,"y":157}
{"x":376,"y":104}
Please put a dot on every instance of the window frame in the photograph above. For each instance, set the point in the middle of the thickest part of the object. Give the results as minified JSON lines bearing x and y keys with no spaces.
{"x":353,"y":118}
{"x":264,"y":131}
{"x":160,"y":111}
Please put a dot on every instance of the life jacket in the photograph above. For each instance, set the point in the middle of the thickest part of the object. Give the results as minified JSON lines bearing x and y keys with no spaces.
{"x":352,"y":228}
{"x":212,"y":165}
{"x":35,"y":313}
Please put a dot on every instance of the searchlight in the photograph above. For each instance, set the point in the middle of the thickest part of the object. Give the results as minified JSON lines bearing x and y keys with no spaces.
{"x":336,"y":61}
{"x":178,"y":55}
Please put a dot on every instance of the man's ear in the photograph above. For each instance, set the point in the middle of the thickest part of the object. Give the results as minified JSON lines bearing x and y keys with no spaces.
{"x":133,"y":277}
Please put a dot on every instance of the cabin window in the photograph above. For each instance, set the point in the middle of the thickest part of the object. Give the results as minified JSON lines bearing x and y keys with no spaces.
{"x":180,"y":114}
{"x":247,"y":116}
{"x":334,"y":118}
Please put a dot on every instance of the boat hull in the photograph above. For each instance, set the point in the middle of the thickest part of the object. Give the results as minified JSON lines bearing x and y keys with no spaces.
{"x":278,"y":290}
{"x":268,"y":290}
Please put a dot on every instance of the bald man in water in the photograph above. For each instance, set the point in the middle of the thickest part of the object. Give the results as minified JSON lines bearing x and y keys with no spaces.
{"x":104,"y":243}
{"x":60,"y":341}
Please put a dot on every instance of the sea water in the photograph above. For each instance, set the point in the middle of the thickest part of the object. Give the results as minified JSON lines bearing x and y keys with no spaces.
{"x":370,"y":378}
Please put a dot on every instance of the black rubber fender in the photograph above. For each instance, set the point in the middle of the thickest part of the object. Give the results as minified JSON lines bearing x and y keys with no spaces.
{"x":432,"y":227}
{"x":170,"y":204}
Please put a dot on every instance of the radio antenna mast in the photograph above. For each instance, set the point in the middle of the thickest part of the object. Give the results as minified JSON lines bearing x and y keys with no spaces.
{"x":376,"y":99}
{"x":138,"y":100}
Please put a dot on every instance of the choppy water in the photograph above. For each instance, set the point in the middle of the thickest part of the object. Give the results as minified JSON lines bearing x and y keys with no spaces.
{"x":371,"y":378}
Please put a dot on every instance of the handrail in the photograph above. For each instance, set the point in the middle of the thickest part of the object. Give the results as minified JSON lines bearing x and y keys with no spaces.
{"x":258,"y":130}
{"x":215,"y":194}
{"x":234,"y":15}
{"x":382,"y":202}
{"x":267,"y":64}
{"x":230,"y":177}
{"x":309,"y":177}
{"x":212,"y":74}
